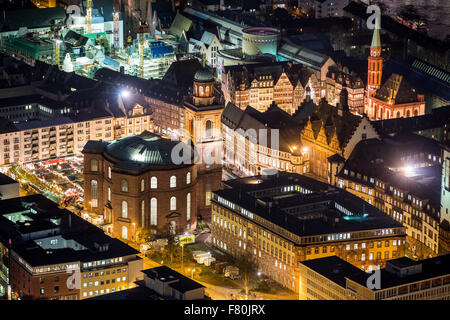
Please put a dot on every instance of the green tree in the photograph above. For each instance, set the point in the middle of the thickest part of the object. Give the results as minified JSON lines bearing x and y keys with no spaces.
{"x":247,"y":267}
{"x":144,"y":235}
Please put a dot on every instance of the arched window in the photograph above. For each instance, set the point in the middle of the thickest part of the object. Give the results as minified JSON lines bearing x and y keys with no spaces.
{"x":398,"y":114}
{"x":124,"y":232}
{"x":94,"y":193}
{"x":408,"y":113}
{"x":143,"y":213}
{"x":188,"y":206}
{"x":154,"y":183}
{"x":109,"y":172}
{"x":207,"y":90}
{"x":153,"y":211}
{"x":124,"y":185}
{"x":416,"y":113}
{"x":124,"y":209}
{"x":173,"y":203}
{"x":208,"y":129}
{"x":94,"y":165}
{"x":188,"y":178}
{"x":109,"y":194}
{"x":200,"y":91}
{"x":173,"y":227}
{"x":142,"y":185}
{"x":173,"y":181}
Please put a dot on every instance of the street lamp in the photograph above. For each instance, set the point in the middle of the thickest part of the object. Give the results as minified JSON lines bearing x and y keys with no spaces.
{"x":192,"y":272}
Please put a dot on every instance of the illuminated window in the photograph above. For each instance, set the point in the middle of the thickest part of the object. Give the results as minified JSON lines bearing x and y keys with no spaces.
{"x":142,"y":185}
{"x":188,"y":206}
{"x":154,"y":183}
{"x":124,"y":185}
{"x":124,"y":209}
{"x":173,"y":203}
{"x":94,"y":193}
{"x":124,"y":232}
{"x":188,"y":178}
{"x":153,"y":211}
{"x":173,"y":181}
{"x":94,"y":165}
{"x":143,"y":213}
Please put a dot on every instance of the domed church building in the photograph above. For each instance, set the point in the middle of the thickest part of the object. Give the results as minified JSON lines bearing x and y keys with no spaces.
{"x":135,"y":182}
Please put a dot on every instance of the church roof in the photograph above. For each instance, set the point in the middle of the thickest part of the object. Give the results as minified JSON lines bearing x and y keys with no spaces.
{"x":376,"y":42}
{"x":139,"y":151}
{"x":204,"y":75}
{"x":398,"y":89}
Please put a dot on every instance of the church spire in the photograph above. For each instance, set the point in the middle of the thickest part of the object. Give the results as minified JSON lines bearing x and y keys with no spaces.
{"x":375,"y":64}
{"x":376,"y":42}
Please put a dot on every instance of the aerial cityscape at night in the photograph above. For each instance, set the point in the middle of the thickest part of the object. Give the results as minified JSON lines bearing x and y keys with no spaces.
{"x":234,"y":150}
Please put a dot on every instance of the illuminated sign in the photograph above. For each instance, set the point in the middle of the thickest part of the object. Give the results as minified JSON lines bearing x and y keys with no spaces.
{"x":186,"y":239}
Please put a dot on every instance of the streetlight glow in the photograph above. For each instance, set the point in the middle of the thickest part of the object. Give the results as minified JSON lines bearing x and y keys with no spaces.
{"x":125,"y":93}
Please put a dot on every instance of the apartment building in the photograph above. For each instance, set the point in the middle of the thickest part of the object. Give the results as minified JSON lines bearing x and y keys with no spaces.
{"x":332,"y":278}
{"x":57,"y":114}
{"x":401,"y":176}
{"x":284,"y":218}
{"x":56,"y":255}
{"x":63,"y":136}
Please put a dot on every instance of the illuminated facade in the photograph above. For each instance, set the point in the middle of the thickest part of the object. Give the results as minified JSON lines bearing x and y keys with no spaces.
{"x":66,"y":135}
{"x":333,"y":130}
{"x":259,"y":85}
{"x":250,"y":151}
{"x":135,"y":183}
{"x":246,"y":219}
{"x":393,"y":99}
{"x":332,"y":278}
{"x":336,"y":81}
{"x":402,"y":189}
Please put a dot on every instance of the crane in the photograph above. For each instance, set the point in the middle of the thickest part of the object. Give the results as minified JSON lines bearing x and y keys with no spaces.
{"x":88,"y":16}
{"x":116,"y":25}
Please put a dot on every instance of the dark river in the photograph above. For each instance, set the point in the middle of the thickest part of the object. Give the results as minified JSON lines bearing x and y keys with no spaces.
{"x":437,"y":13}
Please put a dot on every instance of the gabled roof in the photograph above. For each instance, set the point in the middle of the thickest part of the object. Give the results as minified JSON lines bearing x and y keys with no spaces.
{"x":181,"y":73}
{"x":251,"y":121}
{"x":398,"y":89}
{"x":180,"y":24}
{"x":345,"y":124}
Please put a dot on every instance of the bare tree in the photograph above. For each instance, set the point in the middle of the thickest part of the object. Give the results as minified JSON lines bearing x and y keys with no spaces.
{"x":247,"y":266}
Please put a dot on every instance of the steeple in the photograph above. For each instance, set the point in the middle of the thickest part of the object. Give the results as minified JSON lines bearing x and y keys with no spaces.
{"x":376,"y":42}
{"x":375,"y":63}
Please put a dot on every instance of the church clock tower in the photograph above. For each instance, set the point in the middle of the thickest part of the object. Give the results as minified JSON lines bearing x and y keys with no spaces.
{"x":375,"y":66}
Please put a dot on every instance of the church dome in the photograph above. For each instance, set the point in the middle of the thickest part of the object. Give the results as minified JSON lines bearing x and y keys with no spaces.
{"x":204,"y":75}
{"x":144,"y":149}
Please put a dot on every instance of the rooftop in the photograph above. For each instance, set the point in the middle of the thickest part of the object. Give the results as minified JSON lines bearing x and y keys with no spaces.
{"x":177,"y":281}
{"x":139,"y":151}
{"x":5,"y":180}
{"x":303,"y":206}
{"x":31,"y":222}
